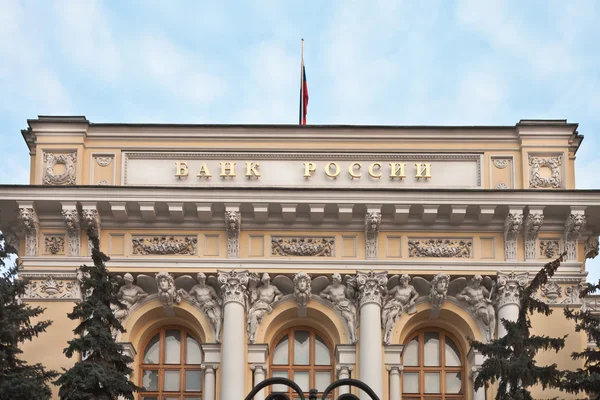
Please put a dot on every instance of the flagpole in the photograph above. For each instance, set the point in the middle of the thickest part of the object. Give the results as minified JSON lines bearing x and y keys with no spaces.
{"x":301,"y":85}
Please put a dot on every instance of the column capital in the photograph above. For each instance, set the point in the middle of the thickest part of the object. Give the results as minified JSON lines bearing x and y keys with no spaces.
{"x":259,"y":368}
{"x":371,"y":286}
{"x":510,"y":286}
{"x":208,"y":368}
{"x":233,"y":286}
{"x":394,"y":368}
{"x":344,"y":367}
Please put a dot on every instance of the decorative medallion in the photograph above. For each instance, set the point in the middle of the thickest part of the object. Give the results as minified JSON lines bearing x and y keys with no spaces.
{"x":164,"y":245}
{"x":501,"y":185}
{"x":104,"y":161}
{"x":500,"y":163}
{"x":103,"y":182}
{"x":65,"y":178}
{"x":54,"y":244}
{"x":553,"y":163}
{"x":302,"y":246}
{"x":462,"y":248}
{"x":549,"y":248}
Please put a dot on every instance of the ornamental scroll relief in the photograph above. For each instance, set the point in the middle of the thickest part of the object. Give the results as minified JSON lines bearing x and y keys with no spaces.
{"x":302,"y":246}
{"x":55,"y":287}
{"x":164,"y":245}
{"x":549,"y":248}
{"x":462,"y":248}
{"x":54,"y":244}
{"x":66,"y":177}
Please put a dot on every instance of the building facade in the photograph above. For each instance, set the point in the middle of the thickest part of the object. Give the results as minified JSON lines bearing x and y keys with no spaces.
{"x":314,"y":253}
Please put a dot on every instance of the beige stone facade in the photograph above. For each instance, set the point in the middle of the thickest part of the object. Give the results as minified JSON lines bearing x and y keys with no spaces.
{"x":367,"y":204}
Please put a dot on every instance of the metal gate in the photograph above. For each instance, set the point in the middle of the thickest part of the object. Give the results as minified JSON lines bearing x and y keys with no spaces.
{"x":313,"y":392}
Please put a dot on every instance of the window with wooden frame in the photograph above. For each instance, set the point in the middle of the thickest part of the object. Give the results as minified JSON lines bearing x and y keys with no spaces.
{"x":303,"y":355}
{"x":170,"y":366}
{"x":434,"y":367}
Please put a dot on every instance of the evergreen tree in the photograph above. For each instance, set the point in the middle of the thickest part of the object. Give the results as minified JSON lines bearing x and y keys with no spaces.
{"x":587,"y":378}
{"x":511,"y":359}
{"x":18,"y":380}
{"x":102,"y":372}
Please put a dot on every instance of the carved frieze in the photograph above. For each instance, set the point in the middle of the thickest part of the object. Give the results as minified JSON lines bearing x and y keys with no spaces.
{"x":234,"y":286}
{"x":66,"y":177}
{"x":574,"y":225}
{"x":372,"y":223}
{"x":233,"y":224}
{"x":371,"y":286}
{"x":533,"y":223}
{"x":512,"y":226}
{"x":451,"y":248}
{"x":54,"y":244}
{"x":164,"y":245}
{"x":510,"y":287}
{"x":52,"y":286}
{"x":549,"y":248}
{"x":302,"y":246}
{"x":535,"y":178}
{"x":590,"y":247}
{"x":29,"y":223}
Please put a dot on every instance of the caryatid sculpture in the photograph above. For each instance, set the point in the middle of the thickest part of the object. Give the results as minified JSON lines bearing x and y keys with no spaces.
{"x":261,"y":299}
{"x":167,"y":292}
{"x":478,"y":297}
{"x":342,"y":296}
{"x":439,"y":289}
{"x":399,"y":300}
{"x":206,"y":297}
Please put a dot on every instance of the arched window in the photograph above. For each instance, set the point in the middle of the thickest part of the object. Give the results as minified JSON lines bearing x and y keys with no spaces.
{"x":304,"y":356}
{"x":433,"y":367}
{"x":170,"y":366}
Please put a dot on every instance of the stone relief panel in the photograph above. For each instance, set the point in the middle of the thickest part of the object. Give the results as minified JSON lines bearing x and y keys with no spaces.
{"x":450,"y":248}
{"x":554,"y":164}
{"x":303,"y":246}
{"x":562,"y":291}
{"x":54,"y":244}
{"x":164,"y":245}
{"x":51,"y":287}
{"x":66,"y":174}
{"x":549,"y":248}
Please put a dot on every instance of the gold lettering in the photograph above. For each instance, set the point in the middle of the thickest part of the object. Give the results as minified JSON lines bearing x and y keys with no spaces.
{"x":227,"y":169}
{"x":372,"y":173}
{"x":204,"y":172}
{"x":181,"y":169}
{"x":423,"y":169}
{"x":351,"y":170}
{"x":309,"y":168}
{"x":252,"y":169}
{"x":397,"y":170}
{"x":336,"y":170}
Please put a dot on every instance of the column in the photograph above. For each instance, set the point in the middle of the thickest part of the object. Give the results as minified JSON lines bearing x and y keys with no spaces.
{"x":128,"y":350}
{"x":478,"y":394}
{"x":392,"y":356}
{"x":371,"y":286}
{"x":345,"y":357}
{"x":209,"y":381}
{"x":394,"y":370}
{"x":260,"y":372}
{"x":510,"y":286}
{"x":233,"y":289}
{"x":258,"y":355}
{"x":476,"y":359}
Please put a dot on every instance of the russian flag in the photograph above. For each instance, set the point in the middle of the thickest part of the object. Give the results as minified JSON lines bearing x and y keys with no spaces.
{"x":303,"y":92}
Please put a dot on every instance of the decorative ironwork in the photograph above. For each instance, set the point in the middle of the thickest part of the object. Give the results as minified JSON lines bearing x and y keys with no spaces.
{"x":313,"y":394}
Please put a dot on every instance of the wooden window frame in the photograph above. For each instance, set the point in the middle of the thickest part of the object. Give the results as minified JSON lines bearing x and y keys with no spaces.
{"x":182,"y":367}
{"x":421,"y":369}
{"x":311,"y":368}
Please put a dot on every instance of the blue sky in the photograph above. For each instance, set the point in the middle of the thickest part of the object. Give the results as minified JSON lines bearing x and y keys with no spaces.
{"x":370,"y":62}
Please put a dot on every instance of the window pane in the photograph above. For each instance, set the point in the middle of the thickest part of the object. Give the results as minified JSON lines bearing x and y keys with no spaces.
{"x":411,"y":382}
{"x":322,"y":380}
{"x":171,"y":398}
{"x":192,"y":398}
{"x":322,"y":356}
{"x":192,"y":351}
{"x":453,"y":382}
{"x":150,"y":398}
{"x":431,"y":349}
{"x":280,"y":388}
{"x":452,"y":354}
{"x":432,"y":382}
{"x":303,"y":380}
{"x":150,"y":380}
{"x":411,"y":353}
{"x":151,"y":352}
{"x":171,"y":381}
{"x":193,"y":381}
{"x":280,"y":356}
{"x":301,"y":348}
{"x":172,"y":347}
